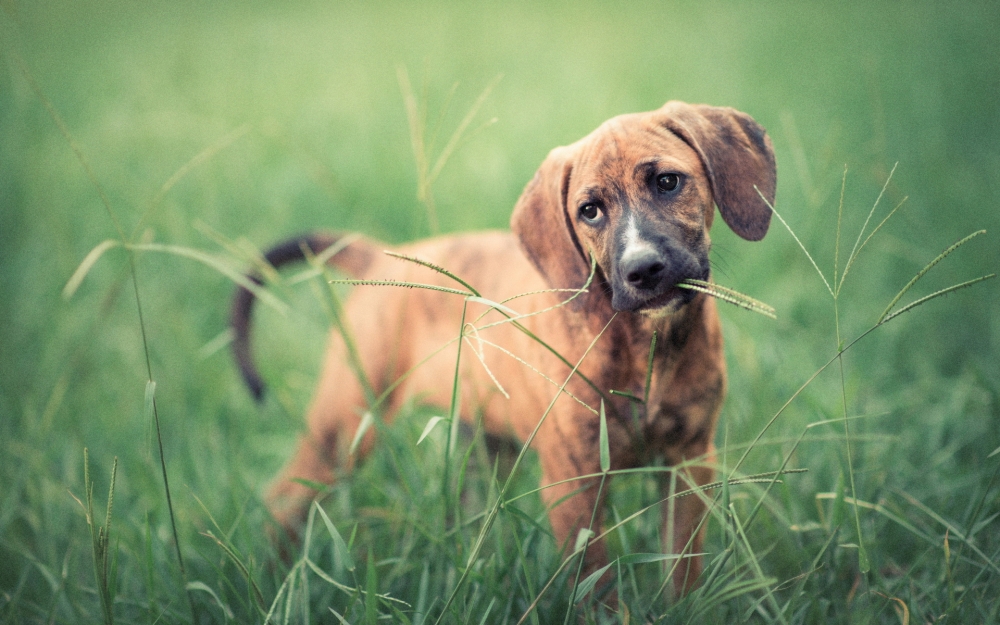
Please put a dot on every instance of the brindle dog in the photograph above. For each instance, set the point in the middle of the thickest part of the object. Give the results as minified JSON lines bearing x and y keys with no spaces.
{"x":637,"y":197}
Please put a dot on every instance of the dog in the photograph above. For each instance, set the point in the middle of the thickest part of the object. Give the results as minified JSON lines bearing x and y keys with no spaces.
{"x":626,"y":210}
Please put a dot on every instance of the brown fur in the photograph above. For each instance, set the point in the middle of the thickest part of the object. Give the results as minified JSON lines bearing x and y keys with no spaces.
{"x":721,"y":156}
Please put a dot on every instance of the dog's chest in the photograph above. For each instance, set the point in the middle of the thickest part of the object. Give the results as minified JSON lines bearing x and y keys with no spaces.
{"x":669,"y":398}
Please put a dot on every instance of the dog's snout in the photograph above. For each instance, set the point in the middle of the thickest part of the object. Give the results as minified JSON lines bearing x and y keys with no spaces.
{"x":644,"y":270}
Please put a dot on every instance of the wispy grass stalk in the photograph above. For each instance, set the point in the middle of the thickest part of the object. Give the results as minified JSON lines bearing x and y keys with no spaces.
{"x":474,"y":295}
{"x":863,"y":559}
{"x":728,"y":295}
{"x":106,"y":202}
{"x":105,"y":566}
{"x":885,"y":316}
{"x":416,"y":115}
{"x":454,"y":416}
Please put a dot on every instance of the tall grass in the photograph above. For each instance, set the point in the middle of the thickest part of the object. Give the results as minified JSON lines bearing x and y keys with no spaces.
{"x":456,"y":536}
{"x":857,"y":482}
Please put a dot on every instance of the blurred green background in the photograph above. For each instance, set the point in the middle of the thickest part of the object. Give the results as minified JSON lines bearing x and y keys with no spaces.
{"x":297,"y":111}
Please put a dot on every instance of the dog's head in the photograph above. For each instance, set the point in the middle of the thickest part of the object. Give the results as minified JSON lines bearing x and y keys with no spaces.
{"x":638,"y":194}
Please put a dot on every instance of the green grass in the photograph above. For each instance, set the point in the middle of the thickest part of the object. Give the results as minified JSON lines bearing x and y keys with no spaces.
{"x":252,"y":121}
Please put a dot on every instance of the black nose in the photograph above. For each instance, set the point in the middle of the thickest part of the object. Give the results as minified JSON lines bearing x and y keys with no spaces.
{"x":644,"y":270}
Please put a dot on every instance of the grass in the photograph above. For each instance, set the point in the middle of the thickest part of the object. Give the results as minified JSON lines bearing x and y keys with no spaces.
{"x":239,"y":123}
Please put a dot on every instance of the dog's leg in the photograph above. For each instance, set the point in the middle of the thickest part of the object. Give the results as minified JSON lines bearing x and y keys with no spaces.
{"x":332,"y":421}
{"x":684,"y":519}
{"x":574,"y":505}
{"x":288,"y":499}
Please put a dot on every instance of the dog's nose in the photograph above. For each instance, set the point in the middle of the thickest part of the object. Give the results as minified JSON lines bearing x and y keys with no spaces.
{"x":644,"y":270}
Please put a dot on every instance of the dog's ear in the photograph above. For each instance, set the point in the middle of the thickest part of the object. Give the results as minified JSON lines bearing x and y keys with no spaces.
{"x":544,"y":228}
{"x":737,"y":155}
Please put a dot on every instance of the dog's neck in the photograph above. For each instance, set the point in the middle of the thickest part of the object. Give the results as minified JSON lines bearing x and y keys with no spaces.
{"x":627,"y":341}
{"x":672,"y":332}
{"x":630,"y":336}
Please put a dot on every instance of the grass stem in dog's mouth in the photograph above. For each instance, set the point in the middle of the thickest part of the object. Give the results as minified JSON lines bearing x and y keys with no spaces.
{"x":728,"y":295}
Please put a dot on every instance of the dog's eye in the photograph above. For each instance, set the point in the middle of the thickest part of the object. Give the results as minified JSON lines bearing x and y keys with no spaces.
{"x":590,"y":212}
{"x":667,"y":182}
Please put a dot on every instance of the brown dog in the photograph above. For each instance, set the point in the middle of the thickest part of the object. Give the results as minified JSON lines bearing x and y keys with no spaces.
{"x":637,"y":195}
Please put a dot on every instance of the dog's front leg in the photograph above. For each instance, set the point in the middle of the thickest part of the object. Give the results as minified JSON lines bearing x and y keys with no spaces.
{"x":574,"y":504}
{"x":684,"y":518}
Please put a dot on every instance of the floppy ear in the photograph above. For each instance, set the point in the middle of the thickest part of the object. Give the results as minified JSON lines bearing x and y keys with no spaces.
{"x":544,"y":228}
{"x":737,"y":155}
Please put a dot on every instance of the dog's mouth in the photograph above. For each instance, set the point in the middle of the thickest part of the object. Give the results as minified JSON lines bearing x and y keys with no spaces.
{"x":669,"y":301}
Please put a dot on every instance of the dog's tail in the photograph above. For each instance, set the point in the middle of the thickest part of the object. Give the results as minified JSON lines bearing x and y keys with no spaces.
{"x":353,"y":259}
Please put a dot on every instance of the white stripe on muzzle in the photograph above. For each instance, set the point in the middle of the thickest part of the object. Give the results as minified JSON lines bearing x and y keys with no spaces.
{"x":634,"y":243}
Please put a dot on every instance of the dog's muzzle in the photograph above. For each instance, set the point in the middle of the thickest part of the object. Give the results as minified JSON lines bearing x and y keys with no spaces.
{"x":647,"y":278}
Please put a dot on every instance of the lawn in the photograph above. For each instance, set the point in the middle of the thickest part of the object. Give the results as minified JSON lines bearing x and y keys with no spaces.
{"x":201,"y":132}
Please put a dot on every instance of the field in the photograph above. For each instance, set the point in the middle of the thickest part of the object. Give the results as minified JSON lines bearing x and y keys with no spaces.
{"x":191,"y":134}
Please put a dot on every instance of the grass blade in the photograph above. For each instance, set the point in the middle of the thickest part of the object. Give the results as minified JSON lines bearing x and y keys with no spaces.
{"x":456,"y":136}
{"x":407,"y":285}
{"x":366,"y":423}
{"x":85,"y":266}
{"x":539,"y":373}
{"x":100,"y":540}
{"x":417,"y":123}
{"x":840,"y":218}
{"x":885,"y":314}
{"x":430,"y":265}
{"x":868,"y":238}
{"x":646,"y":558}
{"x":199,"y":158}
{"x":318,"y":262}
{"x":244,"y":570}
{"x":935,"y":295}
{"x":339,"y":546}
{"x":148,"y":417}
{"x":489,"y":608}
{"x":205,"y":588}
{"x":649,"y":369}
{"x":794,"y":236}
{"x":216,"y":264}
{"x":433,"y":421}
{"x":492,"y":304}
{"x":751,"y":556}
{"x":371,"y":591}
{"x":605,"y":449}
{"x":589,"y":582}
{"x":628,"y":396}
{"x":106,"y":202}
{"x":857,"y":249}
{"x":728,"y":295}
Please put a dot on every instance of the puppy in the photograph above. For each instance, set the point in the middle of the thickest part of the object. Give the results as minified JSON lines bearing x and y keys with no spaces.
{"x":636,"y":198}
